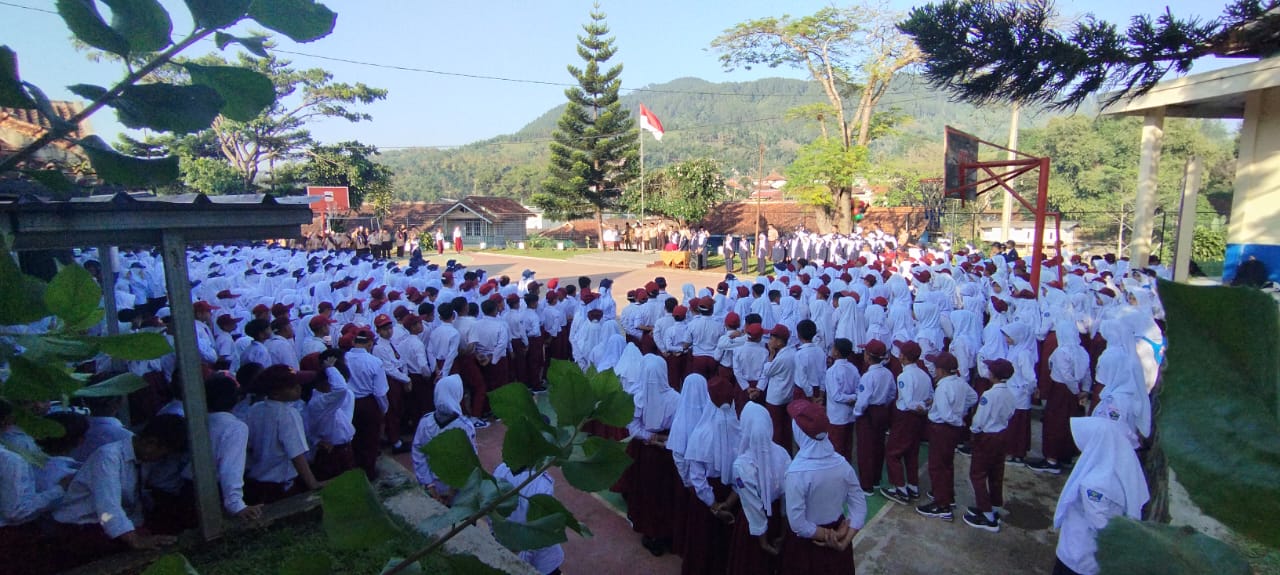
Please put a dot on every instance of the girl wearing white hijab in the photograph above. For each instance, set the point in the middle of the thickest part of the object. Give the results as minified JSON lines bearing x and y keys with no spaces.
{"x":1022,"y":354}
{"x":693,"y":402}
{"x":929,"y":333}
{"x":606,"y":356}
{"x":1123,"y":397}
{"x":447,"y":415}
{"x":819,"y":486}
{"x":650,"y":484}
{"x":1150,"y":342}
{"x":1107,"y":482}
{"x":713,"y":445}
{"x":630,"y":370}
{"x":1069,"y":378}
{"x":759,"y":472}
{"x":966,"y":340}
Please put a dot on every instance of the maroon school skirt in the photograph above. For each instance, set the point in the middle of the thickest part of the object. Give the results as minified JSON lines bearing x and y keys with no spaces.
{"x":801,"y":556}
{"x":746,"y":557}
{"x":706,"y":538}
{"x":647,"y":487}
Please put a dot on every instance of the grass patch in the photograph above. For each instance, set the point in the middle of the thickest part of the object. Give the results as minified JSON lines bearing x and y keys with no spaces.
{"x":1212,"y":269}
{"x":265,"y":552}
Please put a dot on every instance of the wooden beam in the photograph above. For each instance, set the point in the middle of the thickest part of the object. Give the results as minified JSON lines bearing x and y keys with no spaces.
{"x":208,"y":501}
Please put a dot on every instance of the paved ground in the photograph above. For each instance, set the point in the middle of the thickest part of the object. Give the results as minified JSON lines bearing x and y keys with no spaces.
{"x":896,"y":541}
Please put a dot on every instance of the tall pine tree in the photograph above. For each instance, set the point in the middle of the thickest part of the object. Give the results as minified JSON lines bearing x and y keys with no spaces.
{"x":593,"y":149}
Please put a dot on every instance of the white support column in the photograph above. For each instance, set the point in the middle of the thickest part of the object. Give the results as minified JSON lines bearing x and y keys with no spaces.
{"x":1187,"y":218}
{"x":1007,"y":201}
{"x":208,"y":502}
{"x":1148,"y":175}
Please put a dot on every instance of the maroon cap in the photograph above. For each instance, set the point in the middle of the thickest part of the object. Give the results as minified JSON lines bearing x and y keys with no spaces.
{"x":276,"y":377}
{"x":732,"y":320}
{"x":226,"y":294}
{"x":379,"y":292}
{"x":706,"y":304}
{"x":261,"y":308}
{"x":383,"y":320}
{"x":722,"y":287}
{"x":319,"y":320}
{"x":810,"y":417}
{"x":363,"y":335}
{"x":780,"y":331}
{"x":1025,"y":294}
{"x":743,"y":291}
{"x":1000,"y":368}
{"x":203,"y":306}
{"x":823,"y":290}
{"x":344,"y":306}
{"x":880,"y":301}
{"x":908,"y":349}
{"x":876,"y":348}
{"x":411,"y":320}
{"x":325,"y":306}
{"x":944,"y":360}
{"x":347,"y":341}
{"x":755,"y":331}
{"x":279,"y":309}
{"x":1000,"y":305}
{"x":795,"y":289}
{"x":364,"y":283}
{"x":226,"y":319}
{"x":679,"y":311}
{"x":923,"y":276}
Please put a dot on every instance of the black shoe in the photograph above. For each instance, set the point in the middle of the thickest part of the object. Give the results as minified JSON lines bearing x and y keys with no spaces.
{"x":654,"y":546}
{"x":999,"y":511}
{"x":980,"y":521}
{"x":943,"y":512}
{"x":914,"y":494}
{"x":964,"y":449}
{"x":1045,"y":466}
{"x":896,"y":495}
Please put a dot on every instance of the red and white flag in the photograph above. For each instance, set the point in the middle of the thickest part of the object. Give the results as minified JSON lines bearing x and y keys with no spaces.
{"x":650,"y":122}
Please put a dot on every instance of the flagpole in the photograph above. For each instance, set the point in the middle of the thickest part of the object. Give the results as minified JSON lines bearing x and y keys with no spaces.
{"x":640,"y":118}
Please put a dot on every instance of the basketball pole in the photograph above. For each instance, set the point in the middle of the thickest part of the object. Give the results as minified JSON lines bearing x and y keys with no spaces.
{"x":1006,"y":204}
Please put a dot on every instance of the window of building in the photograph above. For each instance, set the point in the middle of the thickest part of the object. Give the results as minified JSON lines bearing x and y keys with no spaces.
{"x":473,"y":228}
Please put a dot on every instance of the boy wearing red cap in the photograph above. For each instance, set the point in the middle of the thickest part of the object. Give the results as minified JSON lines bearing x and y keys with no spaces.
{"x":986,"y":468}
{"x":952,"y":398}
{"x":674,"y":343}
{"x":368,"y":383}
{"x":872,"y":413}
{"x":319,"y":326}
{"x":277,"y":464}
{"x":902,"y":451}
{"x":730,"y":339}
{"x":779,"y":383}
{"x":825,"y":503}
{"x":393,"y":363}
{"x":748,"y":365}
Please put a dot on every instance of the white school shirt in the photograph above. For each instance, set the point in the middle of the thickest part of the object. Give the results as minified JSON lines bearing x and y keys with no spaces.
{"x":102,"y":430}
{"x":312,"y":345}
{"x":276,"y":436}
{"x":328,"y":416}
{"x":393,"y":362}
{"x":21,"y":500}
{"x":704,"y":333}
{"x":914,"y":388}
{"x":282,"y":351}
{"x":413,"y":353}
{"x":876,"y":387}
{"x":994,"y":410}
{"x":841,"y":384}
{"x":780,"y":377}
{"x":1078,"y":535}
{"x":749,"y":492}
{"x":226,"y":347}
{"x":442,"y":348}
{"x":818,"y":497}
{"x":230,"y":440}
{"x":205,"y":344}
{"x":105,"y":491}
{"x":255,"y":352}
{"x":748,"y":363}
{"x":428,"y":429}
{"x":491,"y":337}
{"x":546,"y":559}
{"x":810,"y":368}
{"x":726,"y":346}
{"x":950,"y":400}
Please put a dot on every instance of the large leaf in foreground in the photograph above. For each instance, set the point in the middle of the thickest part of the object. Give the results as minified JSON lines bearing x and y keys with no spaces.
{"x":1128,"y":547}
{"x":452,"y":457}
{"x":1218,"y":414}
{"x":353,"y":517}
{"x":599,"y":465}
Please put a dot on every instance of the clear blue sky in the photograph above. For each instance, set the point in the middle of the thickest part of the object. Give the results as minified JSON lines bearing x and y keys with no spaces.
{"x":657,"y":41}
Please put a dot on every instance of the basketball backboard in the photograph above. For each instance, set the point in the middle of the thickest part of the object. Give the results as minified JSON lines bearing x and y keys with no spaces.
{"x":961,"y":149}
{"x":336,"y":198}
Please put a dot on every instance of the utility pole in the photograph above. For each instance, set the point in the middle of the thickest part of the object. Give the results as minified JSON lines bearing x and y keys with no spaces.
{"x":756,"y":188}
{"x":1006,"y":205}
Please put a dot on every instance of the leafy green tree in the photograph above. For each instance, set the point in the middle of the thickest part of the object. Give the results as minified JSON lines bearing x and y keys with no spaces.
{"x":212,"y":176}
{"x":593,"y":150}
{"x":822,"y":168}
{"x":984,"y":52}
{"x":349,"y":164}
{"x":684,"y":191}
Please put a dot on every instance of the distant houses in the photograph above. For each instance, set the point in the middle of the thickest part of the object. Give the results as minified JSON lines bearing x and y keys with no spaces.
{"x":484,"y":219}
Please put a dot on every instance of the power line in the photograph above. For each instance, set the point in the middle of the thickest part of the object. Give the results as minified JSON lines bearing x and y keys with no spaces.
{"x":31,"y":8}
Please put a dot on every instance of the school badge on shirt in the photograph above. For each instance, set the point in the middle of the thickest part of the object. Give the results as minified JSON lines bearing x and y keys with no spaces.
{"x":901,"y":384}
{"x":1094,"y":496}
{"x":861,"y":388}
{"x":983,"y":401}
{"x":738,"y":481}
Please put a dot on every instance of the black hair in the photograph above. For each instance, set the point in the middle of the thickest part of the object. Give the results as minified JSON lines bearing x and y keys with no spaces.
{"x":806,"y":329}
{"x":74,"y":426}
{"x":169,"y":430}
{"x":752,"y":318}
{"x":459,"y":303}
{"x":220,"y":392}
{"x":248,"y":373}
{"x":671,"y":304}
{"x":489,"y":307}
{"x":774,"y":295}
{"x":426,"y":308}
{"x":570,"y":289}
{"x":757,"y":289}
{"x":445,"y":312}
{"x":473,"y":310}
{"x":584,"y":282}
{"x":531,"y":300}
{"x":431,"y":290}
{"x":843,"y":347}
{"x":255,"y":327}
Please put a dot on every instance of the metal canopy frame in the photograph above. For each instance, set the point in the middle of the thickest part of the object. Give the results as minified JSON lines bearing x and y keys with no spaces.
{"x":170,"y":223}
{"x":992,"y":180}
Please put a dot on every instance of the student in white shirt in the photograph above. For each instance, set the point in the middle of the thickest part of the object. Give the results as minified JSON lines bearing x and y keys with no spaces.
{"x":229,"y":438}
{"x":825,"y":503}
{"x":1069,"y":377}
{"x":779,"y":378}
{"x":398,"y":384}
{"x":840,"y":390}
{"x":22,"y":501}
{"x":447,"y":415}
{"x":712,"y":447}
{"x":319,"y":326}
{"x":748,"y":364}
{"x":225,"y":342}
{"x":810,"y":360}
{"x":328,"y":417}
{"x":902,"y":449}
{"x":104,"y":427}
{"x":986,"y":466}
{"x":102,"y":509}
{"x":277,"y":465}
{"x":759,"y":473}
{"x":545,"y":560}
{"x":952,"y":398}
{"x":258,"y":332}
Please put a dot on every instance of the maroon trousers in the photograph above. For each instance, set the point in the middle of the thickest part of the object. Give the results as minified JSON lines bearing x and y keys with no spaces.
{"x":496,"y":375}
{"x":332,"y":462}
{"x":902,"y":451}
{"x":676,"y":369}
{"x":421,"y":400}
{"x":263,"y":492}
{"x":943,"y":439}
{"x":800,"y":556}
{"x":871,"y":428}
{"x":746,"y":557}
{"x":535,"y":367}
{"x":841,"y":437}
{"x":367,"y":420}
{"x":704,"y":365}
{"x":80,"y":544}
{"x":781,"y":425}
{"x":647,"y":344}
{"x":473,"y":381}
{"x":1059,"y":407}
{"x":395,"y":409}
{"x":707,"y":538}
{"x":518,"y":365}
{"x":26,"y":550}
{"x":986,"y":470}
{"x":1018,"y":435}
{"x":1045,"y":348}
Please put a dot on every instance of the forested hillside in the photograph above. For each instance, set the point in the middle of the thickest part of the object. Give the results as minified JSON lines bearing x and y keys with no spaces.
{"x":726,"y":121}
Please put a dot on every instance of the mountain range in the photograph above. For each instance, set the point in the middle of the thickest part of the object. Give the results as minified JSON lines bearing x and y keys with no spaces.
{"x":727,"y":121}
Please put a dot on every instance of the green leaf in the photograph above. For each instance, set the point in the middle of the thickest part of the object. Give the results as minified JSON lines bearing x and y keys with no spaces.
{"x":39,"y":427}
{"x":86,"y":23}
{"x":453,"y":458}
{"x":214,"y":14}
{"x":533,"y":534}
{"x":524,"y":445}
{"x":542,"y":505}
{"x":300,"y":20}
{"x":1218,"y":420}
{"x":49,"y":348}
{"x":461,"y":564}
{"x":12,"y":95}
{"x":616,"y":406}
{"x":511,"y":402}
{"x":353,"y":517}
{"x":307,"y":564}
{"x":73,"y":295}
{"x":54,"y":180}
{"x":570,"y":393}
{"x":132,"y":346}
{"x":45,"y":106}
{"x":38,"y":381}
{"x":87,"y":91}
{"x":144,"y":23}
{"x":480,"y":490}
{"x":171,"y":564}
{"x":599,"y":465}
{"x":256,"y":45}
{"x":115,"y":386}
{"x":245,"y":93}
{"x":168,"y":107}
{"x":116,"y":168}
{"x":21,"y":296}
{"x":415,"y":569}
{"x":1127,"y":546}
{"x":444,"y":521}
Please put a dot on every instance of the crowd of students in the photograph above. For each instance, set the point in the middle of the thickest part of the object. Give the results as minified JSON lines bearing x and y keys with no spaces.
{"x":766,"y":409}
